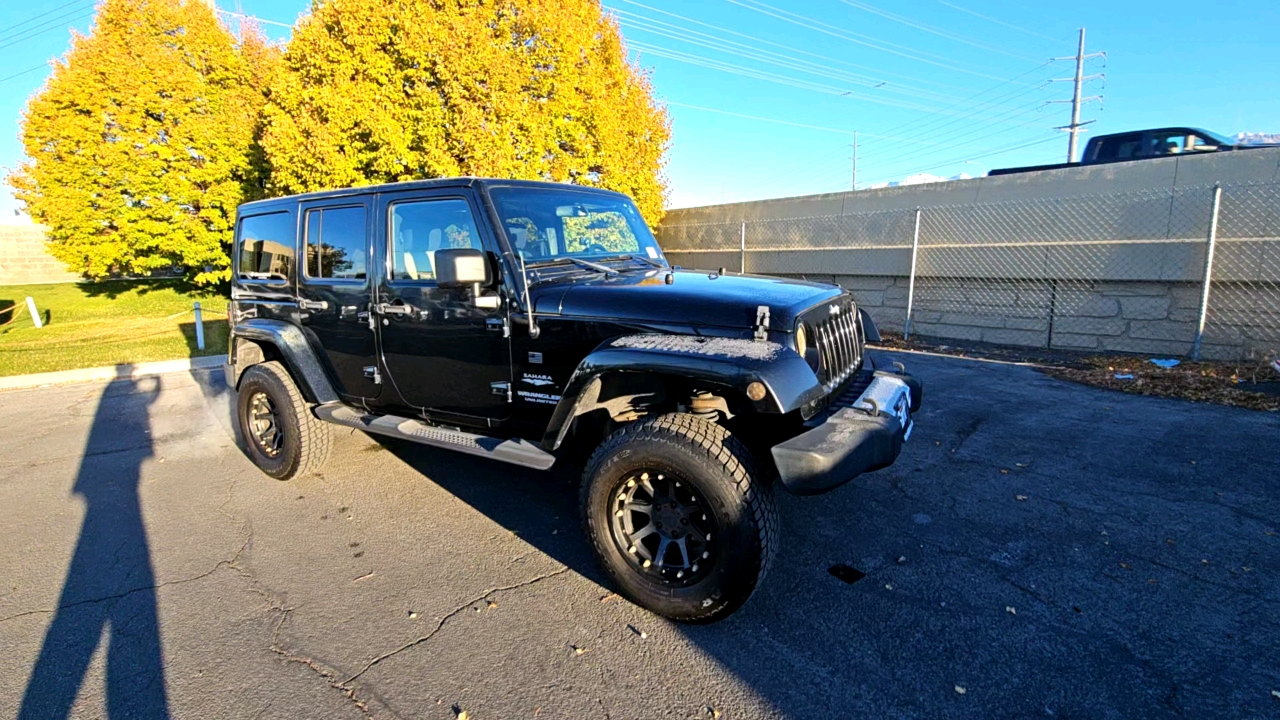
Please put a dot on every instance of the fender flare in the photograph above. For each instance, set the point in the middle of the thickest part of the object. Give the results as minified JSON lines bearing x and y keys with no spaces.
{"x":295,"y":353}
{"x":870,"y":332}
{"x":789,"y":382}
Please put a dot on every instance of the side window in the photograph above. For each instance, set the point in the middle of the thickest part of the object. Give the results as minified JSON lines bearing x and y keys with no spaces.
{"x":266,"y":246}
{"x":1169,"y":143}
{"x":1197,"y":143}
{"x":606,"y":229}
{"x":336,"y":243}
{"x":421,"y":227}
{"x":1120,"y":147}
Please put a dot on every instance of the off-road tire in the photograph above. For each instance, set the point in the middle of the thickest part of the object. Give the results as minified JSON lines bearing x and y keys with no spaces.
{"x":306,"y":439}
{"x":727,"y":477}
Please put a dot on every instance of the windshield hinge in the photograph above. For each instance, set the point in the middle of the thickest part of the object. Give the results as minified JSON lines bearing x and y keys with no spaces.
{"x":762,"y":322}
{"x":371,"y":372}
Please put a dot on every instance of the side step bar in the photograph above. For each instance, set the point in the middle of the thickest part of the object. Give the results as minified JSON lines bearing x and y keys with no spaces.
{"x":515,"y":451}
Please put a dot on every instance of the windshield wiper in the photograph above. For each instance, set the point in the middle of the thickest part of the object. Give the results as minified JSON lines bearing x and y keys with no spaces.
{"x":644,"y":259}
{"x":584,"y":263}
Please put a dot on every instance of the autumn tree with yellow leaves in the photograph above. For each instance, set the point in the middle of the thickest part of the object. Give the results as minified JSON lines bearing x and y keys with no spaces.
{"x":142,"y":142}
{"x":376,"y":91}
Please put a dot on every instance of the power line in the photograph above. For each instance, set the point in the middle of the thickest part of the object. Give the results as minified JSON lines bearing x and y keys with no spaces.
{"x":826,"y":29}
{"x":930,"y":29}
{"x":935,"y":124}
{"x":14,"y":41}
{"x":785,"y":61}
{"x":15,"y":26}
{"x":24,"y":72}
{"x":999,"y":151}
{"x":1011,"y":26}
{"x":879,"y":72}
{"x":34,"y":29}
{"x":765,"y":75}
{"x":916,"y":154}
{"x":254,"y":18}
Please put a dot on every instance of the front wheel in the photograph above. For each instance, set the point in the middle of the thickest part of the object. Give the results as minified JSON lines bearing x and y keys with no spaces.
{"x":679,"y":517}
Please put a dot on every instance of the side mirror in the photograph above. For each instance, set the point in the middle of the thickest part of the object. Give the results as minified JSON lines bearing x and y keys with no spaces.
{"x":466,"y":267}
{"x":462,"y":267}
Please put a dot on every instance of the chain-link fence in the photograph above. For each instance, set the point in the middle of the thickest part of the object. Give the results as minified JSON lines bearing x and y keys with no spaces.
{"x":1184,"y":271}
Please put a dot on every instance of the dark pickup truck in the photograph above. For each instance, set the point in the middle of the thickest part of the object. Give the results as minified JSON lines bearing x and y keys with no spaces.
{"x":1142,"y":145}
{"x":522,"y":322}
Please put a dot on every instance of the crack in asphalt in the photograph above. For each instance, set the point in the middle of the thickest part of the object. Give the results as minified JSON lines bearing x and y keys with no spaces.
{"x":451,"y":615}
{"x":328,"y":675}
{"x":230,"y":562}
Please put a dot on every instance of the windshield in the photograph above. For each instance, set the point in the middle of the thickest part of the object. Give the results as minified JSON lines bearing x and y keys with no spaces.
{"x":553,"y":223}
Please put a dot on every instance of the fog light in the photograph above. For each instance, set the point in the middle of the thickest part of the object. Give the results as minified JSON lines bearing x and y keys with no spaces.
{"x":755,"y":390}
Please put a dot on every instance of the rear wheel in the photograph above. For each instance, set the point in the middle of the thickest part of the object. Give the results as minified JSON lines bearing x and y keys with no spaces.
{"x":281,"y":435}
{"x":679,"y":517}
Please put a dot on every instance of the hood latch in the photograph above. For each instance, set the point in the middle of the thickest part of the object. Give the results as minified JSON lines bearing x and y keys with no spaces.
{"x":762,"y":322}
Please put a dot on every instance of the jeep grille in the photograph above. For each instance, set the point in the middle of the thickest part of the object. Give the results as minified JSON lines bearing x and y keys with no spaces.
{"x":838,"y":340}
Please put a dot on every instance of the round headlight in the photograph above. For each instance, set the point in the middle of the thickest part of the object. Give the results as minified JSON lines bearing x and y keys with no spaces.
{"x":802,"y":340}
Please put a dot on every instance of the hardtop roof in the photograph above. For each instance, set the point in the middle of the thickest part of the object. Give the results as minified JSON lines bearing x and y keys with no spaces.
{"x":459,"y":182}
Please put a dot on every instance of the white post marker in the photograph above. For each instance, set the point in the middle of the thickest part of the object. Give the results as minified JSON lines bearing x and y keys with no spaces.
{"x":35,"y":316}
{"x":911,"y":282}
{"x":1208,"y":270}
{"x":199,"y":328}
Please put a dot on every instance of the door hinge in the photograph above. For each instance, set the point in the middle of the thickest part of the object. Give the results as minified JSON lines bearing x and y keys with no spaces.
{"x":371,"y":372}
{"x":496,"y":324}
{"x":305,"y":304}
{"x":501,"y":388}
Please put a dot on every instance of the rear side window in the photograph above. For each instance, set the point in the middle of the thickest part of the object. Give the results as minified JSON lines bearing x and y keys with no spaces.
{"x":266,"y":246}
{"x":336,"y":243}
{"x":1119,"y":147}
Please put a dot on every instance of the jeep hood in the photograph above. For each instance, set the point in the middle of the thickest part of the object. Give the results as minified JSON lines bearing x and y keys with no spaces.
{"x":694,"y":298}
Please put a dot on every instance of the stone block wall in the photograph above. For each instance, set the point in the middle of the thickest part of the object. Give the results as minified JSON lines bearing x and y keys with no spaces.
{"x":1150,"y":318}
{"x":24,"y":259}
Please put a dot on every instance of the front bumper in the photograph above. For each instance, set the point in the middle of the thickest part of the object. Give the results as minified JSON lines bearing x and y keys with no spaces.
{"x":860,"y":433}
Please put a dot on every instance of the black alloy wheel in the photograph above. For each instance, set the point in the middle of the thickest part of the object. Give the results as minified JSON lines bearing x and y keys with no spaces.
{"x":663,"y":527}
{"x":278,"y":430}
{"x":680,"y":516}
{"x":264,"y":424}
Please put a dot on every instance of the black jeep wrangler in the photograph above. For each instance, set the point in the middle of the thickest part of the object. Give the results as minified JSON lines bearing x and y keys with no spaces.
{"x":522,"y":321}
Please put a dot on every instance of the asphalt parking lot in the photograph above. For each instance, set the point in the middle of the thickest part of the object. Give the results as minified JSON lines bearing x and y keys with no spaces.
{"x":1041,"y":549}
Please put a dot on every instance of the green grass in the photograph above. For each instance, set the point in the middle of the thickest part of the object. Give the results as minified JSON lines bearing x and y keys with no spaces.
{"x":106,"y":323}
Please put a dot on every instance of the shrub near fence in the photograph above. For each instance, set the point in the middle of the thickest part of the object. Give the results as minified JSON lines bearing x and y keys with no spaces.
{"x":1171,"y":271}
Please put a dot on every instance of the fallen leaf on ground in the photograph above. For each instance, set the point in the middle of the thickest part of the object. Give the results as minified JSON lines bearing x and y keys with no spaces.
{"x":610,"y":596}
{"x":1011,"y":609}
{"x":960,"y":689}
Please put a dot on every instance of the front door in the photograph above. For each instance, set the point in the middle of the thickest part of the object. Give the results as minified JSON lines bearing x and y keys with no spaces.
{"x":443,"y":354}
{"x":333,"y":292}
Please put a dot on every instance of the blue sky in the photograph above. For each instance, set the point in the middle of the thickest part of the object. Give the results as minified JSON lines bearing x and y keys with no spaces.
{"x":764,"y":95}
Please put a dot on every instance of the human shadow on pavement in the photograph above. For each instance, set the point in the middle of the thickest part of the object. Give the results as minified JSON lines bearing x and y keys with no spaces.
{"x":109,"y":594}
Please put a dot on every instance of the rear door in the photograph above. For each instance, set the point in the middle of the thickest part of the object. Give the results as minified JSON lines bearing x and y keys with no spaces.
{"x":444,"y":356}
{"x":334,"y":291}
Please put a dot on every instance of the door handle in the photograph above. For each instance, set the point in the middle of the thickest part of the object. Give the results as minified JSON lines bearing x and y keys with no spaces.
{"x":313,"y":304}
{"x":389,"y":309}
